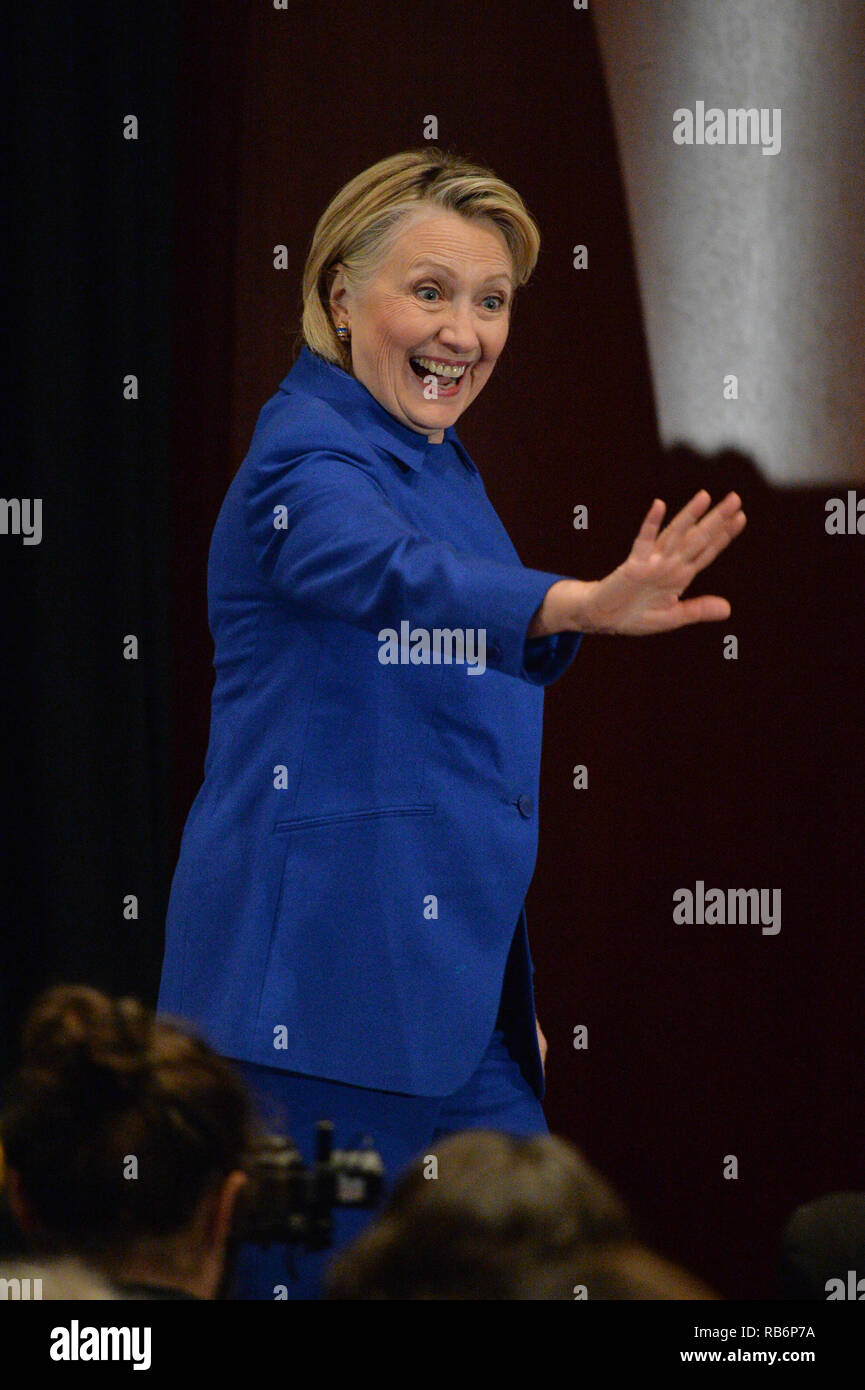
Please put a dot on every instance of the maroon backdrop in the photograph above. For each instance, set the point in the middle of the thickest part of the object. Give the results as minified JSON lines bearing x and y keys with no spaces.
{"x":703,"y":1041}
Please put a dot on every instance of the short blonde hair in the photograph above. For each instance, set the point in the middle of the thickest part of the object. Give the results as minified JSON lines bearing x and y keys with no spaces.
{"x":354,"y":228}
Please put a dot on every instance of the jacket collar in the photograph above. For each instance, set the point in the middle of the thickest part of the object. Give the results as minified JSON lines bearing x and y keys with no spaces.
{"x":315,"y":376}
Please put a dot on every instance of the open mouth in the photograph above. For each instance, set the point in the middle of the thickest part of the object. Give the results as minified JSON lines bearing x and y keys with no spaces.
{"x":448,"y":377}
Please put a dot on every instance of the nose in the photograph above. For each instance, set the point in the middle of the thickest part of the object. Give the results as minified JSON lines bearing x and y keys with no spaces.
{"x":457,"y":331}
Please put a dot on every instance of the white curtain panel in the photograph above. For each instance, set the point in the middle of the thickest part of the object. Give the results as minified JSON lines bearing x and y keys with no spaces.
{"x":749,"y":241}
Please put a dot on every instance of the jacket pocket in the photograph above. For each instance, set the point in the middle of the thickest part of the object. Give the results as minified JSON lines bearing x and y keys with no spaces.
{"x":345,"y":817}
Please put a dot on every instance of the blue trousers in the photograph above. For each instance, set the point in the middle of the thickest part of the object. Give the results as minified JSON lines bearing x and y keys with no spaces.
{"x":402,"y":1128}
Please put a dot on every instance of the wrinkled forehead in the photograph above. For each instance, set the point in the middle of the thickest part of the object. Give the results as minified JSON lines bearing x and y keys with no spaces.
{"x":435,"y":238}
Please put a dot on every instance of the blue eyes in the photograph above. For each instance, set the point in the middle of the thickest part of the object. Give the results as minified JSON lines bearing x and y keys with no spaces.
{"x":499,"y":300}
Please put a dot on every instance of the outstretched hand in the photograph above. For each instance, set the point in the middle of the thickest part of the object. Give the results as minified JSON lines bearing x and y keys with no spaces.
{"x":643,"y":595}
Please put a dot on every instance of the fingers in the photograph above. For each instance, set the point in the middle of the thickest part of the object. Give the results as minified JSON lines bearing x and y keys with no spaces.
{"x":692,"y":563}
{"x":732,"y":528}
{"x":691,"y":541}
{"x":690,"y":538}
{"x":712,"y":525}
{"x":708,"y":608}
{"x":648,"y":532}
{"x":684,"y":520}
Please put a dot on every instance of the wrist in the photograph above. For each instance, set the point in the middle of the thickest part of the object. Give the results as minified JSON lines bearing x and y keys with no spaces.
{"x":564,"y":609}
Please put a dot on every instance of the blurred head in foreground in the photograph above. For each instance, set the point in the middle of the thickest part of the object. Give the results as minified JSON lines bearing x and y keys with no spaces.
{"x":123,"y":1139}
{"x":823,"y":1249}
{"x":488,"y":1216}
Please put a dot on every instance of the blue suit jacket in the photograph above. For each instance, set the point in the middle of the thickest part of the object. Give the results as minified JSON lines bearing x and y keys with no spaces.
{"x":352,"y":872}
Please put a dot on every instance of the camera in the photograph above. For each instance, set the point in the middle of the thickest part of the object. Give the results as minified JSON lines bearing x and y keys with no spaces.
{"x":288,"y":1202}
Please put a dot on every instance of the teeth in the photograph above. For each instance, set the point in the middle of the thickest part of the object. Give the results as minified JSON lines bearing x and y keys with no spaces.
{"x":439,"y":368}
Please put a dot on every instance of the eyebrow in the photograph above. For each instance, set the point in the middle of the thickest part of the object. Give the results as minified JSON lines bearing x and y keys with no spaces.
{"x":443,"y":269}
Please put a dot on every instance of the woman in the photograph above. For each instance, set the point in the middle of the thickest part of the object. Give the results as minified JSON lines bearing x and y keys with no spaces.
{"x":346,"y":917}
{"x":103,"y":1086}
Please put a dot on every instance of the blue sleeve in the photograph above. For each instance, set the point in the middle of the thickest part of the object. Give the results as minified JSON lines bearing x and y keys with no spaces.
{"x":545,"y":658}
{"x":327,"y":538}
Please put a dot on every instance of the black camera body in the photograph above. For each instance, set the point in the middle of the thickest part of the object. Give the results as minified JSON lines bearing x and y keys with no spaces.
{"x":287,"y":1202}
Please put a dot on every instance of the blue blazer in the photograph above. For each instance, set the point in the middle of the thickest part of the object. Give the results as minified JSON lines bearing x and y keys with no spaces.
{"x":353,"y":870}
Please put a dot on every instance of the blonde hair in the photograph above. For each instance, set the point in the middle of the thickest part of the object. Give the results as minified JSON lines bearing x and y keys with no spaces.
{"x":354,"y":228}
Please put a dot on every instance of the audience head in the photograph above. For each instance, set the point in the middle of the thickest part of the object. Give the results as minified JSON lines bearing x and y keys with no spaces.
{"x":123,"y":1137}
{"x":489,"y":1216}
{"x":822,"y":1245}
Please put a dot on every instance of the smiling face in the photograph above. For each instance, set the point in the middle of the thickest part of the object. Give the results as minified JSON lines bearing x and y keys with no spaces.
{"x":440,"y":300}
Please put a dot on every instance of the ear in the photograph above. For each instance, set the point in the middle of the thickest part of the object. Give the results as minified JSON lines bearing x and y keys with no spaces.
{"x":338,"y":295}
{"x":222,"y":1211}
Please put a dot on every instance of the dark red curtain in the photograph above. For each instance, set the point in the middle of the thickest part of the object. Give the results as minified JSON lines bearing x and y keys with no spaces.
{"x":703,"y":1042}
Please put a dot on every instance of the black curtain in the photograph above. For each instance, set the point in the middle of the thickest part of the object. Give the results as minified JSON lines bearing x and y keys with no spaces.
{"x":86,"y":796}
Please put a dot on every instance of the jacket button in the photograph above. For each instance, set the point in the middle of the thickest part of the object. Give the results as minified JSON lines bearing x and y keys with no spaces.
{"x":526,"y":806}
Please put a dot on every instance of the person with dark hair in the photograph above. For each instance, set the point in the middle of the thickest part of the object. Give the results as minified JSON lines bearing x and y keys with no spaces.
{"x":823,"y":1249}
{"x":489,"y":1216}
{"x":123,"y":1139}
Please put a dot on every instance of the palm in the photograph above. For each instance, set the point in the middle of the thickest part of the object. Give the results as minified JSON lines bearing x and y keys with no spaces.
{"x":642,"y":596}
